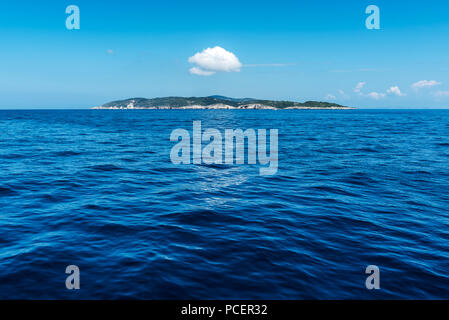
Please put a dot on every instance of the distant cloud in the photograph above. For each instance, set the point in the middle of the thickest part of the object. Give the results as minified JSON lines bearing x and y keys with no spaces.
{"x":395,"y":91}
{"x":110,"y":51}
{"x":425,"y":84}
{"x":358,"y":88}
{"x":330,"y":97}
{"x":212,"y":60}
{"x":376,"y":95}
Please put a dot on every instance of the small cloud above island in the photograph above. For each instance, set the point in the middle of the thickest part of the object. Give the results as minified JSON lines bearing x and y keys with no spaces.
{"x":213,"y":60}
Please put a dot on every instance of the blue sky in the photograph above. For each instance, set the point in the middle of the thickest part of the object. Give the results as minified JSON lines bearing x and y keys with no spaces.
{"x":296,"y":50}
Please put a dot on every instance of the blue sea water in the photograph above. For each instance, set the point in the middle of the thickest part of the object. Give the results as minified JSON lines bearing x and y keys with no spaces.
{"x":96,"y":189}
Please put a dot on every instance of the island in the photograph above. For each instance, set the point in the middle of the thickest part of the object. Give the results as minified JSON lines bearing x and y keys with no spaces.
{"x":217,"y":102}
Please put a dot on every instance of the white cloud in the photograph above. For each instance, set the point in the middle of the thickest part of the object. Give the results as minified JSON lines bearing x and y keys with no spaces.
{"x":330,"y":97}
{"x":376,"y":95}
{"x":358,"y":88}
{"x":200,"y":72}
{"x":110,"y":51}
{"x":425,"y":84}
{"x":396,"y":91}
{"x":212,"y":60}
{"x":373,"y":95}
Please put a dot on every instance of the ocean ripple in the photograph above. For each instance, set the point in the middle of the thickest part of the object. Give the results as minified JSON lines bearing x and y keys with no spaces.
{"x":96,"y":188}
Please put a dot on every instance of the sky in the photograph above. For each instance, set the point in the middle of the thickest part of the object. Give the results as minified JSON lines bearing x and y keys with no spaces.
{"x":282,"y":50}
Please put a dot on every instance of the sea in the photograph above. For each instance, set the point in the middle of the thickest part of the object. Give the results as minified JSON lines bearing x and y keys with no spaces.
{"x":97,"y":189}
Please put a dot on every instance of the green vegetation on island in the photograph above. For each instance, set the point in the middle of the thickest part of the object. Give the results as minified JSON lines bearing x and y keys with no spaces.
{"x":215,"y":102}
